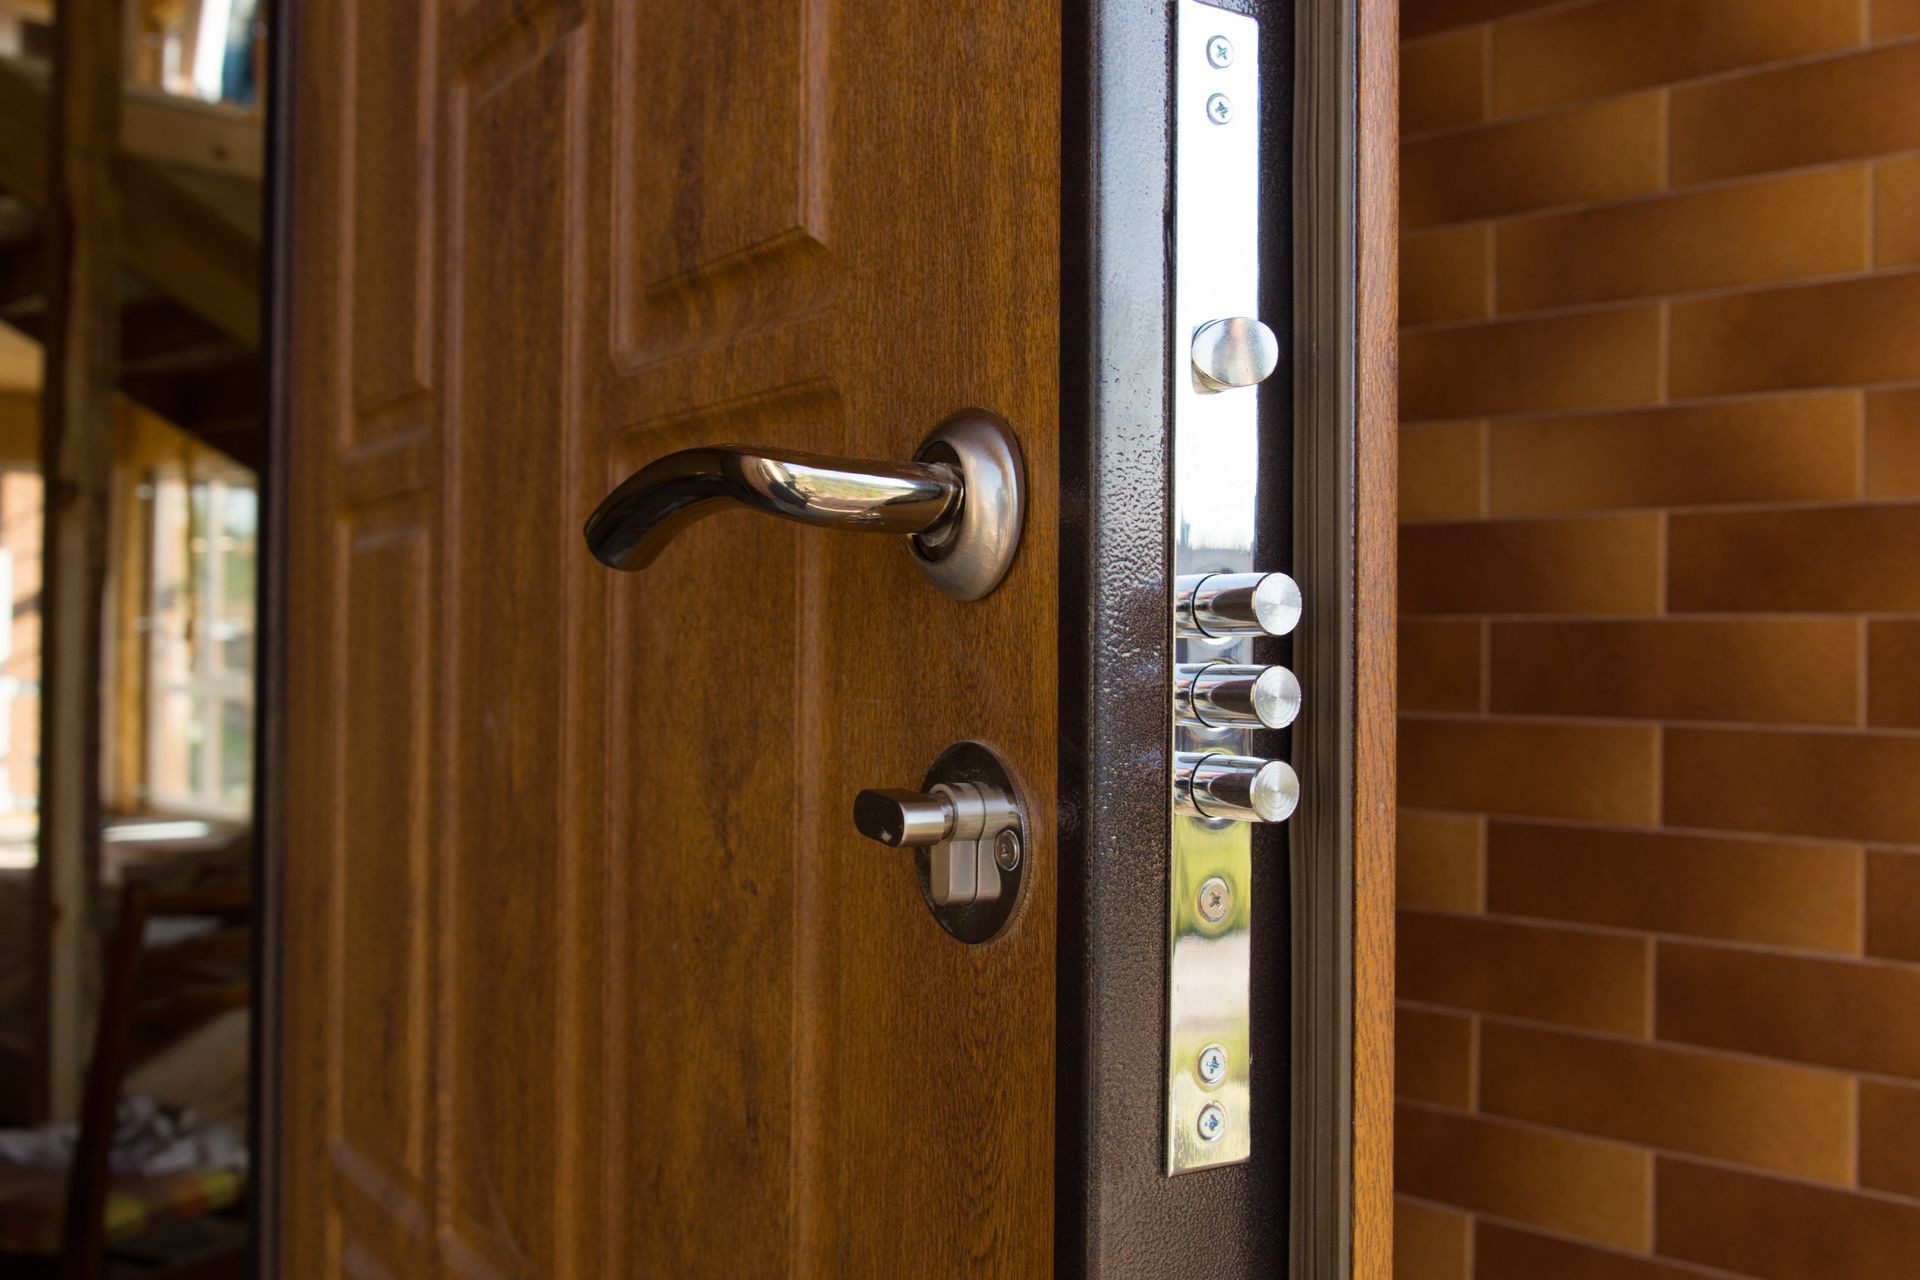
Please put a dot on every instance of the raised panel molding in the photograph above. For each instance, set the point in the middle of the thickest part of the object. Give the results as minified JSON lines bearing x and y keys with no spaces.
{"x":505,"y":913}
{"x":807,"y":415}
{"x":389,"y":144}
{"x":358,"y":1263}
{"x":379,"y":887}
{"x":720,"y":172}
{"x":393,"y":468}
{"x":376,"y":1218}
{"x":378,"y":1086}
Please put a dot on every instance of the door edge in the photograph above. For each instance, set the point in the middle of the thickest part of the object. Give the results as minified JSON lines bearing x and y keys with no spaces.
{"x":270,"y":627}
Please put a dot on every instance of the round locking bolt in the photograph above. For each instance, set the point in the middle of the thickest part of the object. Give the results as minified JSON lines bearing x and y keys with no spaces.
{"x":1212,"y":1064}
{"x":1212,"y":1123}
{"x":1215,"y":900}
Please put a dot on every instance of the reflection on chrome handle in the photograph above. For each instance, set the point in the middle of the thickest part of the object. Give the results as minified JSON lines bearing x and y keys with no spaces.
{"x":640,"y":517}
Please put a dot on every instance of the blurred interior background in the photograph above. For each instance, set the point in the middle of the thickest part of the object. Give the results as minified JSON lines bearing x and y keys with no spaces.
{"x":129,"y":366}
{"x":1659,"y":860}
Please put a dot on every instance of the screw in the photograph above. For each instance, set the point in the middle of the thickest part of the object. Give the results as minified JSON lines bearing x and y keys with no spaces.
{"x":1219,"y":109}
{"x":1215,"y":899}
{"x":1213,"y":1064}
{"x":1006,"y":849}
{"x":1212,"y":1123}
{"x":1220,"y":51}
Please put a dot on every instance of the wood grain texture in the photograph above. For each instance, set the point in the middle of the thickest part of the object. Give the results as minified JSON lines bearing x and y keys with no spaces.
{"x":587,"y":971}
{"x":1376,"y":507}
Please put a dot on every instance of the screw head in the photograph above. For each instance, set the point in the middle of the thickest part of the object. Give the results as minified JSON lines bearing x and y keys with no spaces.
{"x":1212,"y":1064}
{"x":1215,"y":900}
{"x":1006,"y":849}
{"x":1212,"y":1123}
{"x":1220,"y":51}
{"x":1219,"y":108}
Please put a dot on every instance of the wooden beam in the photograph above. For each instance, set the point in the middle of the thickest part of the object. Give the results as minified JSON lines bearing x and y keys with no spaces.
{"x":189,"y":250}
{"x":216,"y":137}
{"x":81,"y":231}
{"x":19,"y":428}
{"x":194,"y":236}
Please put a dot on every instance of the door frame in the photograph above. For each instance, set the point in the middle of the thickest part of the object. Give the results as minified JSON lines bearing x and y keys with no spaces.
{"x":1348,"y":264}
{"x":1330,"y":249}
{"x":270,"y":700}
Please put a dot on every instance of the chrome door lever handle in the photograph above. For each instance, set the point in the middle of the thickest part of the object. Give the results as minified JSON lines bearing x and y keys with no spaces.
{"x":958,"y":502}
{"x":640,"y":517}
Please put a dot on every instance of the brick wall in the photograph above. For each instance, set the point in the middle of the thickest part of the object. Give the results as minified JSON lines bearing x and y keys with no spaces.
{"x":1659,"y":955}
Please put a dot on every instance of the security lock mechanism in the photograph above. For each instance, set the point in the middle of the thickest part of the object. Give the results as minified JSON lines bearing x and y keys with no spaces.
{"x":968,"y":831}
{"x":959,"y":821}
{"x":1226,"y":777}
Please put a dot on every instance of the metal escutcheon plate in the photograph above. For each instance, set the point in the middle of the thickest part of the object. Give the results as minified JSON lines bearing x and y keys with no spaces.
{"x":977,"y":921}
{"x":969,"y":562}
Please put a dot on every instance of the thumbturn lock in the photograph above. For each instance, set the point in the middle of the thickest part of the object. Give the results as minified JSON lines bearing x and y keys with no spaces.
{"x":968,"y":831}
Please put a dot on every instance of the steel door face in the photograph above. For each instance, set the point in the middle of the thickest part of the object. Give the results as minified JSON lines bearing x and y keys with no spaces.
{"x":586,"y":968}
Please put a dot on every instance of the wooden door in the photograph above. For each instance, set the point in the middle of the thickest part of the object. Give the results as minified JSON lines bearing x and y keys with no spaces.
{"x":586,"y":970}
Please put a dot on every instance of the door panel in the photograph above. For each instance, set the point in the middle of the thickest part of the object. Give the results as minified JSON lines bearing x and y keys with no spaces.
{"x":586,"y":969}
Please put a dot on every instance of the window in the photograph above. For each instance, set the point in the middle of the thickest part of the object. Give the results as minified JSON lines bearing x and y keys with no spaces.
{"x":201,"y":644}
{"x":20,"y":527}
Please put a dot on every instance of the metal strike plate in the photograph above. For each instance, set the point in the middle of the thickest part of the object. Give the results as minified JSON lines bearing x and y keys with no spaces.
{"x":1219,"y":355}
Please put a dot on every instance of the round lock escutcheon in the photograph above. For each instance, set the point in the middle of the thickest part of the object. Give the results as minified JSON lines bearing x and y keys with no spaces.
{"x":986,"y":919}
{"x":967,"y":826}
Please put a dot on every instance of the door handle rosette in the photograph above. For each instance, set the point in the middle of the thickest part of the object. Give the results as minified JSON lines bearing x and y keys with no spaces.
{"x":958,"y":503}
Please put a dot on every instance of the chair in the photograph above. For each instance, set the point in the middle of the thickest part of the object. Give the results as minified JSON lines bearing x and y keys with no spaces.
{"x":149,"y":993}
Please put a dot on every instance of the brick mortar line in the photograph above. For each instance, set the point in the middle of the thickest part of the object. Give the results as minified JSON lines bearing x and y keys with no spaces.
{"x":1903,"y":1083}
{"x":1523,"y":416}
{"x":1891,"y":1199}
{"x":1523,"y":1227}
{"x":1663,"y":300}
{"x":1563,"y":720}
{"x":1659,"y":195}
{"x":1656,"y":938}
{"x":1748,"y":507}
{"x":1568,"y":618}
{"x":1703,"y":833}
{"x":1725,"y":75}
{"x":1652,"y":195}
